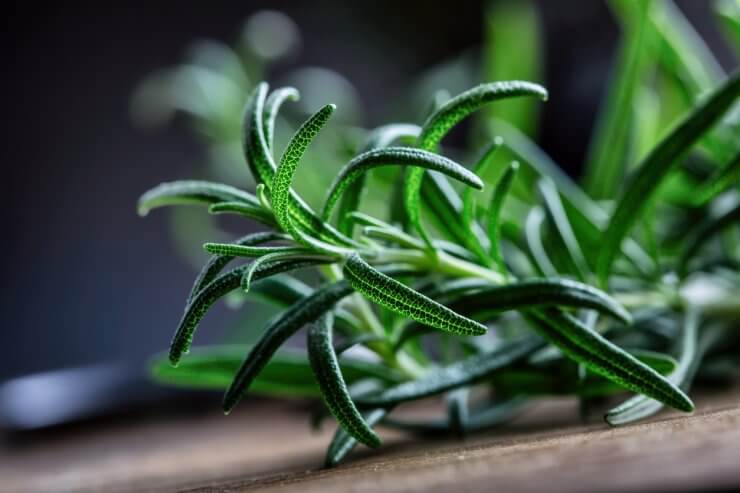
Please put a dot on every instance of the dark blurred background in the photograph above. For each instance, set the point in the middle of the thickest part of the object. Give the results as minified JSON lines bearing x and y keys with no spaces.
{"x":87,"y":280}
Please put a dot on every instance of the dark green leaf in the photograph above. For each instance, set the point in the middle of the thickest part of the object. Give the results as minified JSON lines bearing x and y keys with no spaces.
{"x":556,"y":212}
{"x":380,"y":137}
{"x":604,"y":358}
{"x":394,"y":156}
{"x":466,"y":372}
{"x":234,"y":250}
{"x":216,"y":264}
{"x":542,"y":292}
{"x":443,"y":120}
{"x":281,"y":188}
{"x":331,"y":382}
{"x":469,"y":208}
{"x":211,"y":292}
{"x":343,"y":443}
{"x":307,"y":310}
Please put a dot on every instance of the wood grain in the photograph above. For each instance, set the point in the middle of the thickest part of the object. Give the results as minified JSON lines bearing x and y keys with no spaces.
{"x":267,"y":446}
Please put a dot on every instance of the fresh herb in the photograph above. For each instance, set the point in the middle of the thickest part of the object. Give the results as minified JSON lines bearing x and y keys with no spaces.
{"x":537,"y":290}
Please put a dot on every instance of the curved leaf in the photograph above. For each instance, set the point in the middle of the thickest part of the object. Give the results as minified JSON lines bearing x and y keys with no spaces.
{"x":192,"y":192}
{"x":543,"y":292}
{"x":272,"y":106}
{"x":331,"y":382}
{"x":604,"y":358}
{"x":556,"y":212}
{"x":397,"y":297}
{"x":305,"y":311}
{"x":466,"y":372}
{"x":281,"y":188}
{"x":493,"y":223}
{"x":396,"y":156}
{"x":216,"y":264}
{"x":692,"y":352}
{"x":248,"y":250}
{"x":282,"y":256}
{"x":282,"y":290}
{"x":444,"y":119}
{"x":445,"y":205}
{"x":469,"y":200}
{"x":255,"y":148}
{"x":217,"y":288}
{"x":656,"y":166}
{"x":533,"y":235}
{"x":380,"y":137}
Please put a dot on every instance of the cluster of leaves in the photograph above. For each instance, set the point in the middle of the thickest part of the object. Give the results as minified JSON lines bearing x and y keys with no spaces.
{"x":537,"y":290}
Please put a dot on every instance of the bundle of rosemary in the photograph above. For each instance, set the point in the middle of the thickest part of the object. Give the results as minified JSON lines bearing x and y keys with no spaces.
{"x":537,"y":290}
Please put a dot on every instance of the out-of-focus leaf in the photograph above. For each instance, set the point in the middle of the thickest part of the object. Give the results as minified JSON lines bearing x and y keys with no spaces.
{"x":512,"y":50}
{"x":656,"y":166}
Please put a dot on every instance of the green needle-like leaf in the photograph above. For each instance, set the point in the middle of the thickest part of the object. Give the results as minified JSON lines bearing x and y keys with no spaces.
{"x":255,"y":147}
{"x":543,"y":292}
{"x":533,"y":234}
{"x":216,"y":264}
{"x":602,"y":357}
{"x":556,"y":212}
{"x":281,"y":290}
{"x":306,"y":311}
{"x":469,"y":200}
{"x":379,"y":138}
{"x":272,"y":106}
{"x":395,"y":296}
{"x":248,"y":250}
{"x":466,"y":372}
{"x":656,"y":166}
{"x":500,"y":192}
{"x":394,"y":156}
{"x":281,"y":189}
{"x":192,"y":192}
{"x":281,"y":256}
{"x":443,"y":120}
{"x":641,"y":406}
{"x":212,"y":292}
{"x":331,"y":382}
{"x":692,"y":353}
{"x":662,"y":363}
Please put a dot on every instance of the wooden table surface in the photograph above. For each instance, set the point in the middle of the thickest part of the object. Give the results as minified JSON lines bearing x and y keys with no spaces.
{"x":267,"y":446}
